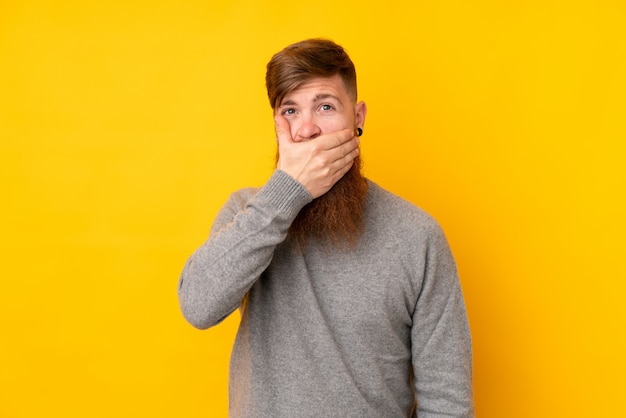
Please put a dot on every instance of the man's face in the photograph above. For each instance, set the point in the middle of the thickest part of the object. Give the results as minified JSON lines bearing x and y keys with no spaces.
{"x":322,"y":106}
{"x":319,"y":106}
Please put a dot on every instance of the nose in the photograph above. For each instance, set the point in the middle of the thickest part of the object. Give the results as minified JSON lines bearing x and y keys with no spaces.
{"x":308,"y":129}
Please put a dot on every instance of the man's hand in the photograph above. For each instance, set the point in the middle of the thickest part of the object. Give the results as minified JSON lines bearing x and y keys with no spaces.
{"x":317,"y":163}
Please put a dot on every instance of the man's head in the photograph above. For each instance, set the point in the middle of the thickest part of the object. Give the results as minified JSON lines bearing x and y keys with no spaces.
{"x":312,"y":85}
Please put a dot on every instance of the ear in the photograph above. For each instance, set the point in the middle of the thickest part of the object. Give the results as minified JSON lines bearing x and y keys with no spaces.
{"x":360,"y":110}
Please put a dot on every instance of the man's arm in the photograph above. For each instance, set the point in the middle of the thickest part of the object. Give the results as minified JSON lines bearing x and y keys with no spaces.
{"x":242,"y":242}
{"x":440,"y":336}
{"x":241,"y":245}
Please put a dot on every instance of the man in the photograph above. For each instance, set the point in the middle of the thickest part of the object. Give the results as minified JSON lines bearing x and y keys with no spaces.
{"x":350,"y":301}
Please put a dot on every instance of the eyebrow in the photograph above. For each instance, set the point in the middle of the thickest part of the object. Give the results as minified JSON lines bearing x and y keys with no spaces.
{"x":317,"y":98}
{"x":322,"y":96}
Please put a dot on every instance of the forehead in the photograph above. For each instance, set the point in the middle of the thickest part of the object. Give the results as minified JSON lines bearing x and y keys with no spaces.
{"x":317,"y":86}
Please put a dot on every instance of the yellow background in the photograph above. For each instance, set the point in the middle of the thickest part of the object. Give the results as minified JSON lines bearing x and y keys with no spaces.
{"x":124,"y":126}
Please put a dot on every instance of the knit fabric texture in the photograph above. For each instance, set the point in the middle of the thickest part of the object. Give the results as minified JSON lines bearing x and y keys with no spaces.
{"x":376,"y":331}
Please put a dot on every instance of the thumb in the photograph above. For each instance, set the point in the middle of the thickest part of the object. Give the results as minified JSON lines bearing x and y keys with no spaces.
{"x":283,"y":131}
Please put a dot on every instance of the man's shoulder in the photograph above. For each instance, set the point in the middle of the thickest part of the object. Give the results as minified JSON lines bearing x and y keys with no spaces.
{"x":380,"y":198}
{"x":386,"y":208}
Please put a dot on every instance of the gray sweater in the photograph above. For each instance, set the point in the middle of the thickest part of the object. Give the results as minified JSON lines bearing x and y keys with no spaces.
{"x":380,"y":331}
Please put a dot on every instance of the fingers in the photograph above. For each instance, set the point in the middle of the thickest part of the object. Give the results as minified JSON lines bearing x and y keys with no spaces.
{"x":336,"y":161}
{"x":346,"y":156}
{"x":342,"y":138}
{"x":336,"y":150}
{"x":343,"y":146}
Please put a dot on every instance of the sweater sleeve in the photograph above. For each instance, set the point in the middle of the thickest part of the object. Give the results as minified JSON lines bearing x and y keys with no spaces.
{"x":440,"y":337}
{"x":240,"y":247}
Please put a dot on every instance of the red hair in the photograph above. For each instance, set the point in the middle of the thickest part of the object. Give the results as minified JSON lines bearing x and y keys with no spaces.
{"x":304,"y":60}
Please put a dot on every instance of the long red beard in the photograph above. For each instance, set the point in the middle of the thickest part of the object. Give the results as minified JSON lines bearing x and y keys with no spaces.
{"x":336,"y":217}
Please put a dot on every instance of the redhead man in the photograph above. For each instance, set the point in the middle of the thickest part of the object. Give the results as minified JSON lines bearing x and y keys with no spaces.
{"x":349,"y":296}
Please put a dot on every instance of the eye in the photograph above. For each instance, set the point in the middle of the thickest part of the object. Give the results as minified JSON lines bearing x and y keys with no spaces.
{"x":326,"y":107}
{"x":289,"y":111}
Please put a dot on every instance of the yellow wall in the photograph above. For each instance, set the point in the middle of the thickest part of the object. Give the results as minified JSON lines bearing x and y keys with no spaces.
{"x":124,"y":125}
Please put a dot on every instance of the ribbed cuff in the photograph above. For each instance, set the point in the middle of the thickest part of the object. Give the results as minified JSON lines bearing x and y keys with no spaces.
{"x":285,"y":193}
